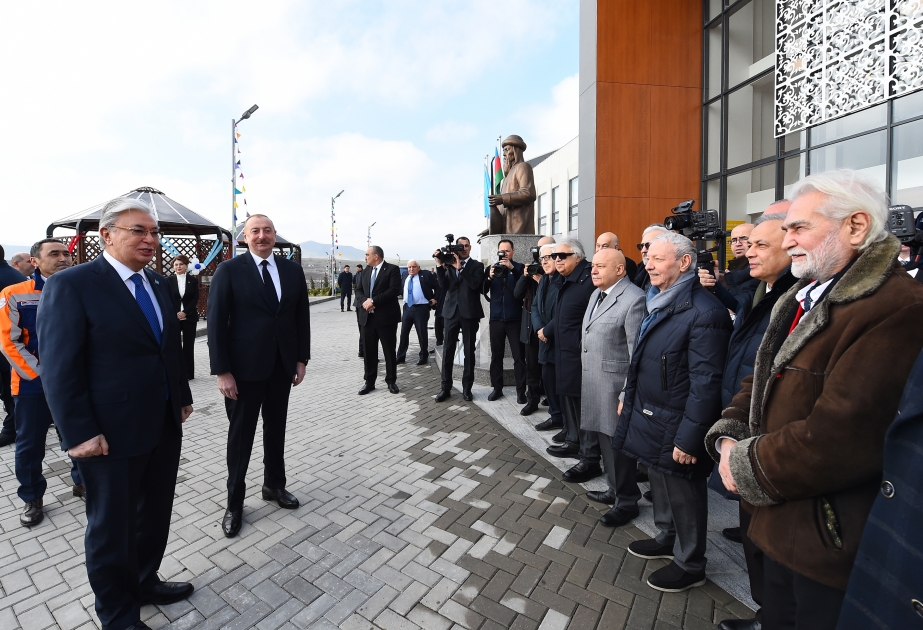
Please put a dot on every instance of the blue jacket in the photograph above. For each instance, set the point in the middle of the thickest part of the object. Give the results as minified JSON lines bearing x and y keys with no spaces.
{"x":887,"y":577}
{"x":504,"y":307}
{"x":8,"y":275}
{"x":673,"y":392}
{"x":543,"y":314}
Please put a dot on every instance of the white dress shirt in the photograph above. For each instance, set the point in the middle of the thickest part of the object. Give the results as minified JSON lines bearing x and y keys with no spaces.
{"x":181,"y":286}
{"x":273,"y":271}
{"x":418,"y":297}
{"x":608,"y":292}
{"x":125,"y":274}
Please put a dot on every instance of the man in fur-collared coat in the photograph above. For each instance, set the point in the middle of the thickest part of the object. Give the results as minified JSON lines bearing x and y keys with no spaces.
{"x":802,"y":442}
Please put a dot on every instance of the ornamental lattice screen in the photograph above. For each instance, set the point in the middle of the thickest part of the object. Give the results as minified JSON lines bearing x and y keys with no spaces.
{"x":835,"y":57}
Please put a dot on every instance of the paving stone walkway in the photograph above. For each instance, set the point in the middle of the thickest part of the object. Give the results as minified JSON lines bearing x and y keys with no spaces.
{"x":414,"y":515}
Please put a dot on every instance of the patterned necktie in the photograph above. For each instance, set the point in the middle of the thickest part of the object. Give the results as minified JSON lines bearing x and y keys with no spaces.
{"x":599,"y":300}
{"x":147,"y":306}
{"x":808,"y":302}
{"x":410,"y":292}
{"x":372,"y":283}
{"x":269,"y":289}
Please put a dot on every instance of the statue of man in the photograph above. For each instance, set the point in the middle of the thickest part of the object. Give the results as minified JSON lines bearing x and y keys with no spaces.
{"x":513,"y":210}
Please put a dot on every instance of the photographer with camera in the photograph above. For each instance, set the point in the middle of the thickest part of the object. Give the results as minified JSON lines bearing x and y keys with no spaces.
{"x":462,"y":278}
{"x":505,"y":320}
{"x":525,"y":290}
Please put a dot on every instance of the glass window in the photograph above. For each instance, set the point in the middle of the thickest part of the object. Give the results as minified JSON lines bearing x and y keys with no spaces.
{"x":794,"y":141}
{"x":714,"y":8}
{"x":850,"y":125}
{"x":866,"y":153}
{"x":557,"y":203}
{"x":793,"y":170}
{"x":907,"y":165}
{"x":572,"y":209}
{"x":750,"y":123}
{"x":543,"y":214}
{"x":714,"y":61}
{"x":750,"y":192}
{"x":751,"y":40}
{"x":712,"y":194}
{"x":909,"y":106}
{"x":713,"y":156}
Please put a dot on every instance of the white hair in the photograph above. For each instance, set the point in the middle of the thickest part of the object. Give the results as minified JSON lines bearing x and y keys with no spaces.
{"x":654,"y":227}
{"x":849,"y":191}
{"x":575,"y":246}
{"x":117,"y":206}
{"x":681,"y":244}
{"x":546,"y":245}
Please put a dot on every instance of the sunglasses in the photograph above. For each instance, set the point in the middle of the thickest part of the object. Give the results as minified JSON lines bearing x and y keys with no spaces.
{"x":561,"y":255}
{"x":643,"y":246}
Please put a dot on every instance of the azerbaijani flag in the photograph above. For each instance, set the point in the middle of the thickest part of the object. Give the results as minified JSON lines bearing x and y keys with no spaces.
{"x":486,"y":191}
{"x":498,"y":172}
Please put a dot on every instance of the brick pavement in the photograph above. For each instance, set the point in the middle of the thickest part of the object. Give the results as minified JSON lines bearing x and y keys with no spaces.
{"x":414,"y":515}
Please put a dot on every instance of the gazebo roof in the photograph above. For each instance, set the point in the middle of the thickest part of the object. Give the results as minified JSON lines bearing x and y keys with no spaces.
{"x":174,"y":217}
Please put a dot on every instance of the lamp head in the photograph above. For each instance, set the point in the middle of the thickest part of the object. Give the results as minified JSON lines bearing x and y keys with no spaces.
{"x":247,"y":113}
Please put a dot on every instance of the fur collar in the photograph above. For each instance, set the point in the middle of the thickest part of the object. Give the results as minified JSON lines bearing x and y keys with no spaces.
{"x":871,"y":270}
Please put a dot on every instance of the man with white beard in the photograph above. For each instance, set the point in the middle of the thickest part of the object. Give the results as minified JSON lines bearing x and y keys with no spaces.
{"x":802,"y":442}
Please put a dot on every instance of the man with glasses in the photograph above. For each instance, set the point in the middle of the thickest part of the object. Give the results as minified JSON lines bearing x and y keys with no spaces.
{"x":19,"y":344}
{"x":113,"y":376}
{"x":642,"y":279}
{"x":462,"y":280}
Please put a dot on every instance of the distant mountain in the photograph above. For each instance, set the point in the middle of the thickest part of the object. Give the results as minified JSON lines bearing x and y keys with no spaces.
{"x":313,"y":249}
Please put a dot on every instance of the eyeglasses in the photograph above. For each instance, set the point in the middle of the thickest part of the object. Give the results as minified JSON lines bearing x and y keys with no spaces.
{"x":545,"y":258}
{"x":139,"y":233}
{"x":643,"y":246}
{"x":561,"y":255}
{"x":740,"y":239}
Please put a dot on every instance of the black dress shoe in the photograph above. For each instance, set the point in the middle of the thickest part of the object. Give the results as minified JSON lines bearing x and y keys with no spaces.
{"x":422,"y":362}
{"x":648,"y":495}
{"x":530,"y":408}
{"x":7,"y":438}
{"x":616,"y":517}
{"x":283,"y":497}
{"x":521,"y":399}
{"x":601,"y":497}
{"x":32,"y":514}
{"x":393,"y":388}
{"x":544,"y":402}
{"x":442,"y":396}
{"x":361,"y":355}
{"x":467,"y":395}
{"x":80,"y":490}
{"x":400,"y":361}
{"x":582,"y":472}
{"x":740,"y":624}
{"x":231,"y":522}
{"x":548,"y":425}
{"x":563,"y":450}
{"x":560,"y":437}
{"x":164,"y":593}
{"x":368,"y":387}
{"x":138,"y":625}
{"x":494,"y":395}
{"x":732,"y":534}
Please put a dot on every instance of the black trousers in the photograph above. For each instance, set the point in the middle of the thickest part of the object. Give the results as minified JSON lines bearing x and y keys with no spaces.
{"x":754,"y":557}
{"x":129,"y":505}
{"x":469,"y":330}
{"x":551,"y":391}
{"x":416,"y":316}
{"x":570,"y":409}
{"x":500,"y":333}
{"x":6,"y":395}
{"x":187,"y":331}
{"x":533,"y":368}
{"x":794,"y":602}
{"x":439,"y":329}
{"x":374,"y":333}
{"x":271,"y":397}
{"x":348,"y":297}
{"x":361,"y":345}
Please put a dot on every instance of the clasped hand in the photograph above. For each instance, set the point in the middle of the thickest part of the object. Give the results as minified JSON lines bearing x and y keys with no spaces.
{"x":681,"y":457}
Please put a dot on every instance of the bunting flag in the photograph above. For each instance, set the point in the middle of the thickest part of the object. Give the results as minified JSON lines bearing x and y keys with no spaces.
{"x":238,"y":192}
{"x":498,"y":172}
{"x":486,"y":191}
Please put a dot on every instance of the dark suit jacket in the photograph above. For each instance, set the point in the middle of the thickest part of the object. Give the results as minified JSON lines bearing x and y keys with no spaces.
{"x":103,"y":370}
{"x":244,"y":333}
{"x":385,"y":294}
{"x":190,"y":299}
{"x":462,"y":290}
{"x":345,"y":281}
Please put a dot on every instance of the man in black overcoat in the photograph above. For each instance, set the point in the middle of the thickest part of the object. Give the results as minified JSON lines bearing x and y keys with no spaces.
{"x":377,"y":292}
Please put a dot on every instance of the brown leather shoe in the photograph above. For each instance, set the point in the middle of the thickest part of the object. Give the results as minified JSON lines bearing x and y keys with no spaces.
{"x":80,"y":490}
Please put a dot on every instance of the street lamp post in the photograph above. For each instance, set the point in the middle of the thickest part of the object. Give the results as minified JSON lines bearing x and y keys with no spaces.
{"x":243,"y":116}
{"x":333,"y":225}
{"x":369,"y":238}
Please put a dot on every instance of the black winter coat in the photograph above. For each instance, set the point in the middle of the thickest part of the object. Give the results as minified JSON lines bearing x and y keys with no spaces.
{"x":504,"y":306}
{"x":673,"y":392}
{"x":546,"y":295}
{"x":525,"y":291}
{"x":566,"y":329}
{"x":8,"y":275}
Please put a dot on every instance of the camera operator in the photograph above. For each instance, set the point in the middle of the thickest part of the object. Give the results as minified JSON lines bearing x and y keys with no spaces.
{"x":505,"y":318}
{"x":525,"y":291}
{"x":546,"y":294}
{"x":462,"y":280}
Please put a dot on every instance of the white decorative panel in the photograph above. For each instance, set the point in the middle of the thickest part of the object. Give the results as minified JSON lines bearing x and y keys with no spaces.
{"x":834,"y":57}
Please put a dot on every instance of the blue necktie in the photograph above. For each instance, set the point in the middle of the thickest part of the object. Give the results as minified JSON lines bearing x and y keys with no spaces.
{"x":147,"y":306}
{"x":410,"y":292}
{"x":372,"y":283}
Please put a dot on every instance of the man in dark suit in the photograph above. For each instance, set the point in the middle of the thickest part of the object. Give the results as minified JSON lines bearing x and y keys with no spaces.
{"x":419,"y":298}
{"x":377,"y":291}
{"x":259,"y":342}
{"x":462,"y":280}
{"x":345,"y":282}
{"x":113,"y":377}
{"x":8,"y":276}
{"x":355,"y":284}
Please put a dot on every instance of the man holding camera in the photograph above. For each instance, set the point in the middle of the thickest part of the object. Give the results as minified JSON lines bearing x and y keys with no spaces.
{"x":525,"y":291}
{"x":505,"y":320}
{"x":462,"y":277}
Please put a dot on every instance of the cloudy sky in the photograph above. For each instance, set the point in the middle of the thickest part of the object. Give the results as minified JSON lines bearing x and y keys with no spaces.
{"x":395,"y":101}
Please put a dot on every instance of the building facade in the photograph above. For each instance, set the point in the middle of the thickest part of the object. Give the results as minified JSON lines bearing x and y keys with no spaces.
{"x":557,"y":191}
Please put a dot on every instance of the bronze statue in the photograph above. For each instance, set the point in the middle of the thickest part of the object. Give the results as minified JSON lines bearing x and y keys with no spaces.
{"x":513,"y":210}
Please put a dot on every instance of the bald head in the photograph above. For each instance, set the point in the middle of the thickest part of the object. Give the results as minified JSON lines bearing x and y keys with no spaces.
{"x":607,"y":240}
{"x":608,"y":268}
{"x":545,"y":240}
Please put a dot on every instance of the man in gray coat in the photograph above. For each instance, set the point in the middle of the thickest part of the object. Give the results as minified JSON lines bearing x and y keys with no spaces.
{"x":610,"y":329}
